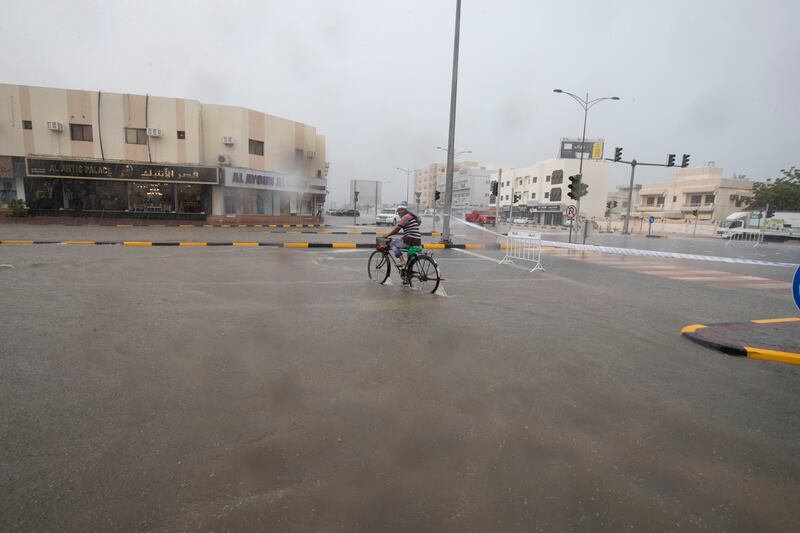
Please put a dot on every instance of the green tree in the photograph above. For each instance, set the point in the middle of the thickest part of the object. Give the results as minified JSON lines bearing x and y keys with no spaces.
{"x":783,"y":194}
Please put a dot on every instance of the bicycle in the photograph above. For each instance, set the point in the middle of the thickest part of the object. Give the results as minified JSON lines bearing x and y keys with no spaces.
{"x":420,"y":272}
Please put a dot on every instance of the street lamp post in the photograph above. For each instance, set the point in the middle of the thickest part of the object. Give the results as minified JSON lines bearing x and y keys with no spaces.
{"x":408,"y":174}
{"x":586,"y":104}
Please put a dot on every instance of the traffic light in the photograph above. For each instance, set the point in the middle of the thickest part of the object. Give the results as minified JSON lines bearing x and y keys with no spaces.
{"x":770,"y":211}
{"x":615,"y":203}
{"x":494,"y":188}
{"x":617,"y":155}
{"x":671,"y":160}
{"x":574,"y":186}
{"x":355,"y":196}
{"x":437,"y":195}
{"x":685,"y":161}
{"x":517,"y":197}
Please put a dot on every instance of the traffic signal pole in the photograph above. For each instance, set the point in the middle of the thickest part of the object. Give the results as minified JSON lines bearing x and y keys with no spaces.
{"x":497,"y":198}
{"x":634,"y":163}
{"x":580,"y":168}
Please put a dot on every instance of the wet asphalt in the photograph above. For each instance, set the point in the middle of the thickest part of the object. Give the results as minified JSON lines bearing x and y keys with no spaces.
{"x":224,"y":389}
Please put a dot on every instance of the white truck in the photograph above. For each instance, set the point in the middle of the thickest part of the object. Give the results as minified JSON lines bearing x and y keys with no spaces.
{"x":782,"y":224}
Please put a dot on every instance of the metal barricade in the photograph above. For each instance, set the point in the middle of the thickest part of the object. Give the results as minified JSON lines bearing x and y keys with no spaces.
{"x":524,"y":246}
{"x":756,"y":237}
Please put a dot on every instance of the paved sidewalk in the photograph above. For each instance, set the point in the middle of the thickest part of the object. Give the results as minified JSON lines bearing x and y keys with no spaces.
{"x":776,"y":339}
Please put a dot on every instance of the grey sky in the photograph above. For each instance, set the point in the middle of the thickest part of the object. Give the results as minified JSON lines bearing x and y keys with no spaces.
{"x":716,"y":79}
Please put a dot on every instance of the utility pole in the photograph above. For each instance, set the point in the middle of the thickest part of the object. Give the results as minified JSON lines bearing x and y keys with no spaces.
{"x":626,"y":225}
{"x":497,"y":198}
{"x":451,"y":140}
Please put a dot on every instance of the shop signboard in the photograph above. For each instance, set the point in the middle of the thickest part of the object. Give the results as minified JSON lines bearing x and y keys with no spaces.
{"x":120,"y":171}
{"x":546,"y":208}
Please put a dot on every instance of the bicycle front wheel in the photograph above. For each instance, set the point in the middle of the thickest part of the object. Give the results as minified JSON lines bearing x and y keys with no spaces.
{"x":378,"y":267}
{"x":423,"y":274}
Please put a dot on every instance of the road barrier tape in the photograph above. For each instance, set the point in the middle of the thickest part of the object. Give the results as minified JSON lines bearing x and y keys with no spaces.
{"x":645,"y":253}
{"x":244,"y":244}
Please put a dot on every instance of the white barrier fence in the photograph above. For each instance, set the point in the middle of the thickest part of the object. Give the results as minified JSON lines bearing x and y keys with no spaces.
{"x":756,"y":237}
{"x":524,"y":246}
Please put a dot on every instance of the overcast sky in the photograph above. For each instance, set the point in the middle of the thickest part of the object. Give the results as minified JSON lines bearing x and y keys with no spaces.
{"x":716,"y":79}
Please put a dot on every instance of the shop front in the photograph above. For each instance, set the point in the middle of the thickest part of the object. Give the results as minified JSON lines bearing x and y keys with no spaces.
{"x":253,"y":194}
{"x":101,"y":188}
{"x":549,"y":214}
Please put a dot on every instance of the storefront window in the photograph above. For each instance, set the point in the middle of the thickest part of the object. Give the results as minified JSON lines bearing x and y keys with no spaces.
{"x":43,"y":193}
{"x":8,"y":191}
{"x":153,"y":197}
{"x":190,"y":199}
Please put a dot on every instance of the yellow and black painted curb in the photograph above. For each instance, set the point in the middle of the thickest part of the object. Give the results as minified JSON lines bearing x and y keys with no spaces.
{"x":738,"y":347}
{"x":430,"y":245}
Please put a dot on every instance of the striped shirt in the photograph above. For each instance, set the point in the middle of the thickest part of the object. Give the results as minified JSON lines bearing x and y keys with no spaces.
{"x":410,"y":226}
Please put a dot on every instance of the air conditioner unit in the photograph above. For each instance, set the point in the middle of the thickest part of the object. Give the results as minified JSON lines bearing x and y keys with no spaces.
{"x":153,"y":132}
{"x":227,"y":140}
{"x":224,"y":159}
{"x":311,"y":155}
{"x":55,"y":126}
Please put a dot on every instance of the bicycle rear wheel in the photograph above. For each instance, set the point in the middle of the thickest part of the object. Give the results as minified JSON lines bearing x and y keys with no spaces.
{"x":378,"y":267}
{"x":423,"y":274}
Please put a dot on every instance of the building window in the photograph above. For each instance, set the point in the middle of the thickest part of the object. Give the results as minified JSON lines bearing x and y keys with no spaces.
{"x":27,"y":125}
{"x":319,"y":174}
{"x":651,"y":200}
{"x":547,"y":179}
{"x":135,"y":136}
{"x":624,"y":204}
{"x":533,"y":196}
{"x":674,"y":199}
{"x":181,"y":134}
{"x":558,"y":177}
{"x":709,"y":198}
{"x":534,"y":179}
{"x":298,"y":153}
{"x":696,"y":199}
{"x":256,"y":147}
{"x":660,"y":201}
{"x":80,"y":132}
{"x":547,"y":195}
{"x":555,"y":194}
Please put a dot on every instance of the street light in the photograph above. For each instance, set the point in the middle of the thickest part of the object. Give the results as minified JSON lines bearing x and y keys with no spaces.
{"x":586,"y":104}
{"x":455,"y":154}
{"x":408,"y":173}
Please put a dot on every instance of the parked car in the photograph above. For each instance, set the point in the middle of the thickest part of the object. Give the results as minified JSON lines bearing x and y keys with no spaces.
{"x":387,"y":216}
{"x":349,"y":213}
{"x":480,"y":217}
{"x":519,"y":220}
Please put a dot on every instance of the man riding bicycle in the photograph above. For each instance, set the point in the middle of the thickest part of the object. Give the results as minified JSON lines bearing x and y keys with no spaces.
{"x":409,"y":223}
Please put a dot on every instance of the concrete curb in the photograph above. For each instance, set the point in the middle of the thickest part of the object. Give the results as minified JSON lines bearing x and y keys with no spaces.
{"x":740,"y":349}
{"x":365,"y":245}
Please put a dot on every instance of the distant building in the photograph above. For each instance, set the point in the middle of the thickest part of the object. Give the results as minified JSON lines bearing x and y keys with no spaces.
{"x":543,"y":188}
{"x":703,"y":190}
{"x":470,"y":185}
{"x":620,"y":196}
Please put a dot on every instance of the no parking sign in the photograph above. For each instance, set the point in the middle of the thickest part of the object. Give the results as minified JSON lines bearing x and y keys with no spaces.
{"x":796,"y":287}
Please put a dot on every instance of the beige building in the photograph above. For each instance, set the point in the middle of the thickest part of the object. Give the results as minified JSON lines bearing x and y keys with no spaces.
{"x":704,"y":190}
{"x":470,"y":184}
{"x":84,"y":152}
{"x":543,"y":189}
